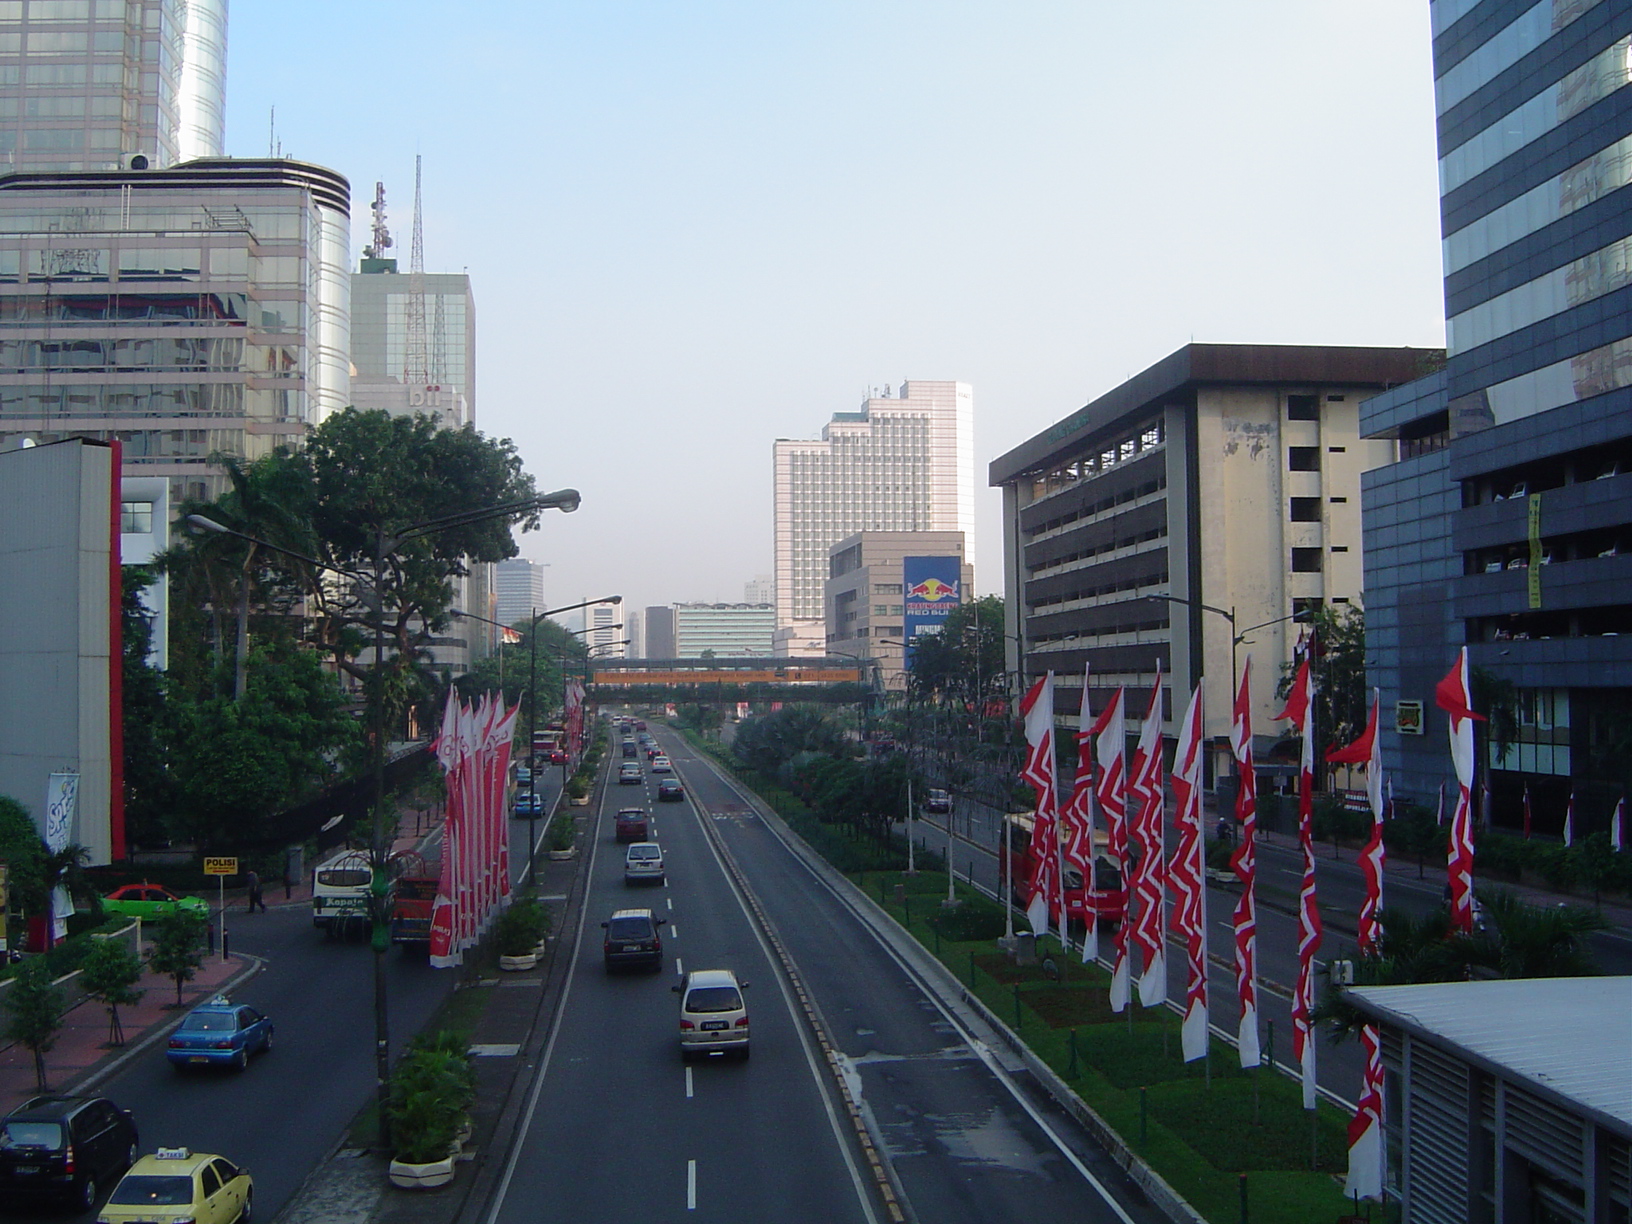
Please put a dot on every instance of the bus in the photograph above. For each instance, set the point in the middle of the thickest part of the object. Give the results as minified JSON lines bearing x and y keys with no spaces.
{"x":1016,"y":861}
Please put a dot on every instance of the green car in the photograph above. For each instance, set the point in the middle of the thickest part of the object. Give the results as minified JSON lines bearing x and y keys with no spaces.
{"x":150,"y":901}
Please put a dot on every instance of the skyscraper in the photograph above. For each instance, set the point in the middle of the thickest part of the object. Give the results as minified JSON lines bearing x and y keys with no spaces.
{"x":605,"y":639}
{"x":379,"y":343}
{"x":95,"y":84}
{"x":519,"y":590}
{"x":1506,"y":522}
{"x":760,"y":589}
{"x":898,"y":464}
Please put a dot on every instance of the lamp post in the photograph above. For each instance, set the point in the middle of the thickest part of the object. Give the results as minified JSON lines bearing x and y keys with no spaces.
{"x":385,"y":545}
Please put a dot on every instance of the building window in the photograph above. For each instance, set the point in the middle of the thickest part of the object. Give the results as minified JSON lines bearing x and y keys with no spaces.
{"x":136,"y":518}
{"x":1302,"y":408}
{"x":1303,"y":458}
{"x":1305,"y":510}
{"x":1340,"y":548}
{"x":886,"y":588}
{"x":1306,"y":560}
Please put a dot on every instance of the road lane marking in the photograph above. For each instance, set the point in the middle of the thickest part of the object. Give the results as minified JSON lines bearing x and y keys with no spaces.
{"x":688,"y":1083}
{"x":691,"y":1185}
{"x":680,"y":966}
{"x":674,"y":931}
{"x":670,"y":900}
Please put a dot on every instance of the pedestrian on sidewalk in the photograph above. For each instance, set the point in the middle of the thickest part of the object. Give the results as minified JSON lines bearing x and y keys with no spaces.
{"x":255,"y":893}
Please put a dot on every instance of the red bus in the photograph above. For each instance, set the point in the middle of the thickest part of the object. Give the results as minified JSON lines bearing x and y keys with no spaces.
{"x":1017,"y":861}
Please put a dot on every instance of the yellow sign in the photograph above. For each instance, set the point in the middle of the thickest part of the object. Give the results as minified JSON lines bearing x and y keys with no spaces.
{"x":221,"y":866}
{"x":788,"y":675}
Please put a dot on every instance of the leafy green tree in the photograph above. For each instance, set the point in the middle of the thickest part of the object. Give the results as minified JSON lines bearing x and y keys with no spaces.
{"x":109,"y":974}
{"x":1342,"y":700}
{"x":34,"y":1006}
{"x":700,"y":716}
{"x":148,"y":791}
{"x":178,"y":947}
{"x":965,"y":662}
{"x":767,"y":742}
{"x":23,"y":851}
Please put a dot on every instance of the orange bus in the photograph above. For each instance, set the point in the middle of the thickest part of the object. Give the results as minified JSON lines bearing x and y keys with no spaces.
{"x":1016,"y":861}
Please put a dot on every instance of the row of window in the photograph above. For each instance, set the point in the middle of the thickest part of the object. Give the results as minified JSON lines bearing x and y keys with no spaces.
{"x":1592,"y":276}
{"x":1583,"y":376}
{"x":1137,"y":583}
{"x":141,"y":263}
{"x":1142,"y":617}
{"x":1107,"y":546}
{"x":210,"y":309}
{"x":181,"y":353}
{"x":1102,"y":506}
{"x":1147,"y":438}
{"x":1574,"y":467}
{"x":1510,"y":44}
{"x":1574,"y":546}
{"x":226,"y":399}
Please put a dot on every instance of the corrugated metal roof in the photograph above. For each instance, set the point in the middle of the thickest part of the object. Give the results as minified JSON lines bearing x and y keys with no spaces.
{"x":1569,"y":1036}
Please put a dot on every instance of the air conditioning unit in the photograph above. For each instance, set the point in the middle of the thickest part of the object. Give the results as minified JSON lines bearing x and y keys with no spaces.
{"x":134,"y":161}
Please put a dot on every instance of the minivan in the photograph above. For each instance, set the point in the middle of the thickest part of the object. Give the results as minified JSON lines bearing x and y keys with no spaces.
{"x":64,"y":1148}
{"x":643,"y":863}
{"x":632,"y":938}
{"x":713,"y":1016}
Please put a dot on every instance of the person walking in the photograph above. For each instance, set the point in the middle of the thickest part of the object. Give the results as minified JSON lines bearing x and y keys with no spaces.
{"x":255,"y":893}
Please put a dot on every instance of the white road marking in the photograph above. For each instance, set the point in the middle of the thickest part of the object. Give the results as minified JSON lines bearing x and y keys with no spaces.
{"x":669,"y":899}
{"x":674,"y":931}
{"x":691,"y":1185}
{"x":688,"y":1083}
{"x":679,"y":966}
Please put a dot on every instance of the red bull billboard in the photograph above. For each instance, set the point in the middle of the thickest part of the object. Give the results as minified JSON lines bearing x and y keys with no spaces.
{"x":932,"y":587}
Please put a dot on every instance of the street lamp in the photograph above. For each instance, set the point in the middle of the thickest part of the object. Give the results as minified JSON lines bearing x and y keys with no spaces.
{"x":1236,"y":636}
{"x":385,"y":545}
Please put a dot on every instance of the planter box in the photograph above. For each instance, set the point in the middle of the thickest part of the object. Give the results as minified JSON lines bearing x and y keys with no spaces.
{"x":561,"y":856}
{"x":518,"y":964}
{"x":422,"y":1176}
{"x":583,"y":801}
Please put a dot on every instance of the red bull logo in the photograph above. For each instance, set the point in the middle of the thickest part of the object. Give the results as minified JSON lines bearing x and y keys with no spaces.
{"x":933,"y":590}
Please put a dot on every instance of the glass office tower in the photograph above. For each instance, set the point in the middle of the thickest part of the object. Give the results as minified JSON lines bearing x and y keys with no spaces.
{"x":1506,"y":523}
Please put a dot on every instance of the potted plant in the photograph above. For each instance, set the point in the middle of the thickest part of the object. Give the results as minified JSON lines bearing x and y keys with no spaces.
{"x":562,"y":836}
{"x":431,"y":1093}
{"x":578,"y":790}
{"x":520,"y":934}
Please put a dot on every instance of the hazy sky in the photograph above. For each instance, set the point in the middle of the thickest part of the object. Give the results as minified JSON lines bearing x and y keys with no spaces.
{"x":694,"y":228}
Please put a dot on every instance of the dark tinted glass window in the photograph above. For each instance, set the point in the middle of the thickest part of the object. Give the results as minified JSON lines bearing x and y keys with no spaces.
{"x":630,"y":928}
{"x":30,"y":1135}
{"x":209,"y":1022}
{"x":212,"y":1180}
{"x":1302,"y":408}
{"x":1306,"y":560}
{"x":713,"y":999}
{"x":1305,"y":510}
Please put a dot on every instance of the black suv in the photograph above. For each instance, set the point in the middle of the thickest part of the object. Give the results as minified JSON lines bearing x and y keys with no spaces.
{"x":64,"y":1148}
{"x":632,"y":939}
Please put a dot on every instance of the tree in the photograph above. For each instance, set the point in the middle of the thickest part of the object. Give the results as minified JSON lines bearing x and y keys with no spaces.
{"x":965,"y":662}
{"x":23,"y":851}
{"x":34,"y":1004}
{"x":148,"y":794}
{"x":109,"y":974}
{"x":1342,"y":701}
{"x":178,"y":947}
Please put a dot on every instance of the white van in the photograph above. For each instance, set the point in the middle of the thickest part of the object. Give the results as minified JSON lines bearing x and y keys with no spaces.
{"x":713,"y":1016}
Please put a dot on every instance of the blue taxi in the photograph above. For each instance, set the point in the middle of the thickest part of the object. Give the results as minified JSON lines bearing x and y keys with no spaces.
{"x":219,"y":1033}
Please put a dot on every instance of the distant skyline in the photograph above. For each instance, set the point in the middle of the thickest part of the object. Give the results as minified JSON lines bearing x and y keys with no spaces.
{"x":693,"y":230}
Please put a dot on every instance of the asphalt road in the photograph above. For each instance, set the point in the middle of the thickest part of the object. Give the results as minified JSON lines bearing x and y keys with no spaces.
{"x":618,"y":1129}
{"x":284,"y":1114}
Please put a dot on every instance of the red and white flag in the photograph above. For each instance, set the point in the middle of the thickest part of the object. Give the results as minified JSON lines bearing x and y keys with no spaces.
{"x":1189,"y":879}
{"x":1110,"y":730}
{"x":1453,"y":695}
{"x":1037,"y":709}
{"x":1078,"y":817}
{"x":1150,"y":874}
{"x":1527,"y":821}
{"x":1569,"y":821}
{"x":1617,"y":822}
{"x":1244,"y":862}
{"x":1300,"y":710}
{"x":508,"y":636}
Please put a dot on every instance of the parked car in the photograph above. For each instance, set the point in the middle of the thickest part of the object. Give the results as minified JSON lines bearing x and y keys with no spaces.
{"x":629,"y":775}
{"x":713,"y":1015}
{"x":64,"y":1149}
{"x":178,"y":1184}
{"x":219,"y":1033}
{"x":148,"y":901}
{"x":937,"y":800}
{"x":632,"y":824}
{"x":643,"y":863}
{"x":669,"y":790}
{"x":632,"y":938}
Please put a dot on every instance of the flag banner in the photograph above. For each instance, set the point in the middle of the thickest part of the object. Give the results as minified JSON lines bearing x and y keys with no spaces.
{"x":1617,"y":826}
{"x":509,"y":636}
{"x":1569,"y":821}
{"x":1110,"y":753}
{"x":1244,"y":862}
{"x":1300,"y":709}
{"x":1038,"y":711}
{"x":1366,"y":1151}
{"x":1528,"y":822}
{"x":1453,"y":695}
{"x":1078,"y":817}
{"x":1150,"y":883}
{"x":1187,"y":873}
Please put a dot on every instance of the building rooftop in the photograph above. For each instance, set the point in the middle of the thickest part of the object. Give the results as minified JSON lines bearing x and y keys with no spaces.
{"x":1571,"y":1038}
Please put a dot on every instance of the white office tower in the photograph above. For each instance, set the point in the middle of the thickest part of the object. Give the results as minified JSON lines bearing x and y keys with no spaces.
{"x":518,"y":590}
{"x":605,"y":639}
{"x":760,"y":589}
{"x":902,"y":463}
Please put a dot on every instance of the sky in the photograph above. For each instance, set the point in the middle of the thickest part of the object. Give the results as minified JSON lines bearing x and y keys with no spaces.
{"x":695,"y":228}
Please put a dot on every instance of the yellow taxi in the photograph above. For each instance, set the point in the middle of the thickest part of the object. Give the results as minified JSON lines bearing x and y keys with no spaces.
{"x":175,"y":1184}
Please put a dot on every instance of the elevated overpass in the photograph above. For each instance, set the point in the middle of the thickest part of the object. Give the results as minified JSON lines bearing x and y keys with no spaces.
{"x":838,"y":679}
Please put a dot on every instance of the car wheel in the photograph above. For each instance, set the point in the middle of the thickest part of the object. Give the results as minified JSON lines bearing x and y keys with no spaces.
{"x":133,"y":1155}
{"x":266,"y":1045}
{"x":744,"y":1054}
{"x":240,"y":1060}
{"x":87,"y":1194}
{"x":248,"y":1213}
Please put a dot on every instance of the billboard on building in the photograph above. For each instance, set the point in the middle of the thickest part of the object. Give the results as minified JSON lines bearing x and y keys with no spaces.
{"x":931,"y":589}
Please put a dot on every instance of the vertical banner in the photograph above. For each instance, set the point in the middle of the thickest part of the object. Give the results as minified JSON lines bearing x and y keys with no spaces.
{"x":1453,"y":695}
{"x":1300,"y":710}
{"x":931,"y":589}
{"x":1189,"y":879}
{"x":61,"y":813}
{"x":1110,"y":751}
{"x":1038,"y":711}
{"x":1078,"y":818}
{"x":1244,"y":862}
{"x":1150,"y":873}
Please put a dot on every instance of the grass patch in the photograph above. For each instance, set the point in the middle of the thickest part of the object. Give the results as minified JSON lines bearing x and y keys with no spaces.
{"x":1238,"y":1136}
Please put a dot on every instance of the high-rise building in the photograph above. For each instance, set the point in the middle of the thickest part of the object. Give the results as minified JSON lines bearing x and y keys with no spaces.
{"x":760,"y":589}
{"x":898,"y":464}
{"x":111,"y":84}
{"x":1506,"y":522}
{"x":660,"y":633}
{"x":518,"y":590}
{"x":186,"y":312}
{"x":1227,"y":477}
{"x":723,"y":631}
{"x":605,"y":637}
{"x":634,"y":628}
{"x":380,"y":343}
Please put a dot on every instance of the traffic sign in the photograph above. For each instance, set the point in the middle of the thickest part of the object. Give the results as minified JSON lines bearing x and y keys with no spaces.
{"x":220,"y":866}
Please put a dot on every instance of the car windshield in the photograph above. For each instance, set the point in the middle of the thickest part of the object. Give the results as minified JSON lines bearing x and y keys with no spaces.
{"x":713,"y":999}
{"x":644,"y":852}
{"x":143,"y":1191}
{"x":31,"y":1135}
{"x":344,"y":877}
{"x":631,"y":815}
{"x":629,"y":928}
{"x":210,"y":1022}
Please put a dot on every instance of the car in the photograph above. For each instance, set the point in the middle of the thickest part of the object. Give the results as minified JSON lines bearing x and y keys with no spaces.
{"x":652,"y":750}
{"x":524,"y":775}
{"x":662,"y":764}
{"x":179,"y":1184}
{"x":937,"y":800}
{"x":64,"y":1149}
{"x":219,"y":1033}
{"x":558,"y":756}
{"x":643,"y":863}
{"x":150,"y":901}
{"x":669,"y":790}
{"x":632,"y":938}
{"x":630,"y":775}
{"x":713,"y":1015}
{"x":632,"y":824}
{"x":629,"y":748}
{"x":528,"y":803}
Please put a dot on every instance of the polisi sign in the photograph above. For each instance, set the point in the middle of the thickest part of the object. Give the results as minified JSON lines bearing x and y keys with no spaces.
{"x":931,"y":587}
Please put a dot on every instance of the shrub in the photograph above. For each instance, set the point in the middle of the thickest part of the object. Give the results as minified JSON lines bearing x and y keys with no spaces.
{"x":972,"y":921}
{"x":431,"y":1090}
{"x":562,"y":833}
{"x":522,"y":927}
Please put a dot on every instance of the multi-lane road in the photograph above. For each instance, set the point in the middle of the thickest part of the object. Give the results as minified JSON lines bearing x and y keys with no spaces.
{"x":619,"y":1128}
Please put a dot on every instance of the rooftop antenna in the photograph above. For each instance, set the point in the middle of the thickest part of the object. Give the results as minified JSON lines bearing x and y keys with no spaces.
{"x":416,"y":359}
{"x":272,"y":133}
{"x":381,"y":235}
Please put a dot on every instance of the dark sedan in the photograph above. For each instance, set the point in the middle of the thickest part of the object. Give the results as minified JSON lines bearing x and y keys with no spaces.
{"x":669,"y":790}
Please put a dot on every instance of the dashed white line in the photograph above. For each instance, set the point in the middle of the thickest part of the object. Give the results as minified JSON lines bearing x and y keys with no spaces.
{"x":679,"y":966}
{"x":674,"y":931}
{"x":691,"y":1185}
{"x":670,"y":899}
{"x":688,"y":1083}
